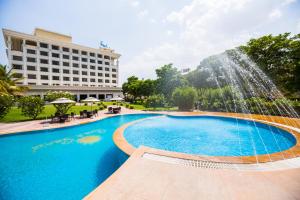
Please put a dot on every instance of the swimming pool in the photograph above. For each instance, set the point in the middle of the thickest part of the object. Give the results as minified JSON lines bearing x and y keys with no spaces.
{"x":209,"y":135}
{"x":60,"y":163}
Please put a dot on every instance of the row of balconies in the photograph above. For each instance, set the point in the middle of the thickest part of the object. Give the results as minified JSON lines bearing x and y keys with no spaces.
{"x":60,"y":51}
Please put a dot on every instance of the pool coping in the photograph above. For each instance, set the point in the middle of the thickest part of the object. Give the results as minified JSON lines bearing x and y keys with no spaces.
{"x":294,"y":151}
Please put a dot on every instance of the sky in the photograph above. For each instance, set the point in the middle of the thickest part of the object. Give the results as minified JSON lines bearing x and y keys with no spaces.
{"x":151,"y":33}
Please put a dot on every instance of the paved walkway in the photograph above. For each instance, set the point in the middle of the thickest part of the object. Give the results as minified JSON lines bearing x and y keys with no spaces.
{"x":7,"y":128}
{"x":144,"y":179}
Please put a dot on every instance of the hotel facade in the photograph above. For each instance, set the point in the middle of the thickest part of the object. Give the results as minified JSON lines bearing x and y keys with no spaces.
{"x":49,"y":61}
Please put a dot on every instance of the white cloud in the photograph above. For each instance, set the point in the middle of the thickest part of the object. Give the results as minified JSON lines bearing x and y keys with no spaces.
{"x":134,"y":3}
{"x":169,"y":32}
{"x":143,"y":13}
{"x":207,"y":27}
{"x":275,"y":14}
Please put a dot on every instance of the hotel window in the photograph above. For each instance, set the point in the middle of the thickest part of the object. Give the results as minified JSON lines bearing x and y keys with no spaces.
{"x":99,"y":55}
{"x":100,"y":62}
{"x":83,"y":53}
{"x":100,"y":81}
{"x":114,"y":81}
{"x":65,"y":49}
{"x":84,"y":79}
{"x":66,"y":64}
{"x":44,"y":69}
{"x":30,"y":43}
{"x":18,"y":75}
{"x":66,"y":56}
{"x":54,"y":47}
{"x":84,"y":66}
{"x":92,"y":74}
{"x":83,"y":59}
{"x":66,"y":78}
{"x":31,"y":83}
{"x":100,"y":74}
{"x":44,"y":61}
{"x":114,"y":70}
{"x":54,"y":62}
{"x":31,"y":51}
{"x":45,"y":84}
{"x":55,"y":70}
{"x":92,"y":61}
{"x":107,"y":69}
{"x":44,"y":77}
{"x":18,"y":58}
{"x":106,"y":57}
{"x":92,"y":67}
{"x":17,"y":66}
{"x":31,"y":76}
{"x":55,"y":78}
{"x":100,"y":68}
{"x":75,"y":65}
{"x":31,"y":68}
{"x":114,"y":75}
{"x":75,"y":79}
{"x":55,"y":55}
{"x":106,"y":75}
{"x":92,"y":80}
{"x":92,"y":54}
{"x":43,"y":53}
{"x":65,"y":71}
{"x":84,"y":73}
{"x":75,"y":72}
{"x":106,"y":63}
{"x":75,"y":58}
{"x":29,"y":59}
{"x":106,"y":81}
{"x":44,"y":45}
{"x":75,"y":51}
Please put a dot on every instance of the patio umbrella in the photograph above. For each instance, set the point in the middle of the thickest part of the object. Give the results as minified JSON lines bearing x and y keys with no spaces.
{"x":117,"y":99}
{"x":62,"y":101}
{"x":62,"y":105}
{"x":91,"y":100}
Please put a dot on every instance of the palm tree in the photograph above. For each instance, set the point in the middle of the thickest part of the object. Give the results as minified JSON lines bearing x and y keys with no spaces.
{"x":8,"y":80}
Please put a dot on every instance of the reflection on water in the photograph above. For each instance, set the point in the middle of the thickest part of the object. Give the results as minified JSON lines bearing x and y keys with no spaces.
{"x":80,"y":138}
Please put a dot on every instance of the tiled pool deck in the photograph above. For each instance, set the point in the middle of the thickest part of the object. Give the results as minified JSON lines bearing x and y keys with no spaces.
{"x":155,"y":174}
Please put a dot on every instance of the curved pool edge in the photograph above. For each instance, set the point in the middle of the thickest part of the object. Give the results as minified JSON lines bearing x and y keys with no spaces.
{"x":293,"y":152}
{"x":31,"y":131}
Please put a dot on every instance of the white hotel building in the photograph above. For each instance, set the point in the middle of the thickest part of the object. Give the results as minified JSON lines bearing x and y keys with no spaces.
{"x":49,"y":61}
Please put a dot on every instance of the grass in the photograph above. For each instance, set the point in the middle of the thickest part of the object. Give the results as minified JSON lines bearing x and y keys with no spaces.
{"x":15,"y":114}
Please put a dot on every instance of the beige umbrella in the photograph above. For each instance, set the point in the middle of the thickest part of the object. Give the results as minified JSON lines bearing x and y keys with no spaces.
{"x":117,"y":99}
{"x":91,"y":100}
{"x":62,"y":105}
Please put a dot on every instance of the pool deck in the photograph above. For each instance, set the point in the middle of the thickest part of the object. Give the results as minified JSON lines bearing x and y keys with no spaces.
{"x":143,"y":178}
{"x":9,"y":128}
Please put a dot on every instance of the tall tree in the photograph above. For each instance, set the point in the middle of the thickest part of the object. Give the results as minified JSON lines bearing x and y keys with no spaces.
{"x":169,"y":78}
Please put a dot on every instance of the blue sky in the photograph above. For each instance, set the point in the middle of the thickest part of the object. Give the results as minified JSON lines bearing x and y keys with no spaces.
{"x":151,"y":33}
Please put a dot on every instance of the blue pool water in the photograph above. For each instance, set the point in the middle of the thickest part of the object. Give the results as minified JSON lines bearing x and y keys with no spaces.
{"x":212,"y":136}
{"x":57,"y":163}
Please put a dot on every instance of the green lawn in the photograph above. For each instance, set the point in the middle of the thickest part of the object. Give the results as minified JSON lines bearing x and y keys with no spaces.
{"x":15,"y":115}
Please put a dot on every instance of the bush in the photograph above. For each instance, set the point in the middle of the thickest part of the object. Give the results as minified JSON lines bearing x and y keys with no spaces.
{"x":53,"y":95}
{"x":131,"y":107}
{"x":6,"y":102}
{"x":85,"y":104}
{"x":184,"y":98}
{"x":127,"y":105}
{"x":155,"y":101}
{"x":104,"y":106}
{"x":114,"y":103}
{"x":101,"y":108}
{"x":31,"y":106}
